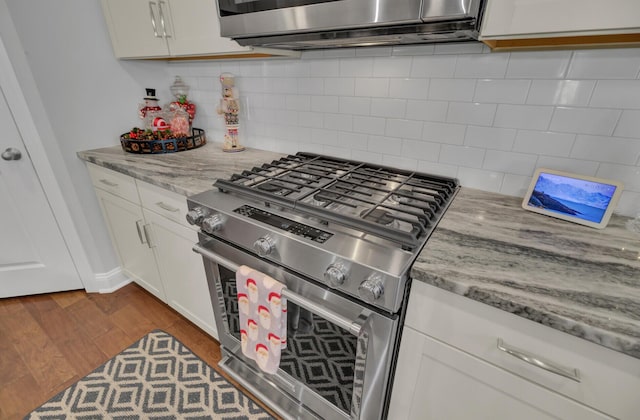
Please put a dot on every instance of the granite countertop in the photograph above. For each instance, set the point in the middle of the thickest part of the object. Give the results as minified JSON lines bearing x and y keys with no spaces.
{"x":580,"y":280}
{"x":573,"y":278}
{"x":187,"y":173}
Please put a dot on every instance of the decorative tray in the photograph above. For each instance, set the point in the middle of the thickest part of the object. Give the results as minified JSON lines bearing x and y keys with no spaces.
{"x":168,"y":145}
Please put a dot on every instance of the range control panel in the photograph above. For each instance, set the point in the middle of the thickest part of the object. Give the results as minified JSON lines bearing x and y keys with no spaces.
{"x":287,"y":225}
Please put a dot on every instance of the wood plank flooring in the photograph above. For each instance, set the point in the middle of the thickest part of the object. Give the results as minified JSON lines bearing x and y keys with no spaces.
{"x":48,"y":342}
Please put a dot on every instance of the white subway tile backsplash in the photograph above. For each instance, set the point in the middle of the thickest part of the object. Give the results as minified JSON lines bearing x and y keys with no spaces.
{"x":443,"y":132}
{"x":392,"y":66}
{"x":538,"y":65}
{"x":490,"y":137}
{"x":515,"y":185}
{"x":385,"y":145}
{"x":629,"y":175}
{"x":502,"y":91}
{"x":421,"y":150}
{"x":561,"y":92}
{"x":584,"y":120}
{"x":621,"y":63}
{"x":325,"y":103}
{"x":607,"y":149}
{"x":480,"y":179}
{"x":629,"y":204}
{"x":527,"y":117}
{"x":355,"y":106}
{"x":427,"y":110}
{"x":356,"y":67}
{"x":323,"y":68}
{"x":471,"y":113}
{"x":355,"y":141}
{"x":456,"y":110}
{"x":437,"y":168}
{"x":373,"y":87}
{"x":629,"y":125}
{"x":409,"y":88}
{"x":341,"y":86}
{"x":576,"y":166}
{"x":544,"y":143}
{"x":510,"y":162}
{"x":433,"y":66}
{"x":470,"y":157}
{"x":408,"y":129}
{"x":452,"y":89}
{"x":342,"y":122}
{"x":616,"y":94}
{"x":391,"y":108}
{"x":482,"y":66}
{"x":369,"y":125}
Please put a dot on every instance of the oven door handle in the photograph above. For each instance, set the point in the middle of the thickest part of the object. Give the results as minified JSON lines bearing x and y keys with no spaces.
{"x":352,"y":326}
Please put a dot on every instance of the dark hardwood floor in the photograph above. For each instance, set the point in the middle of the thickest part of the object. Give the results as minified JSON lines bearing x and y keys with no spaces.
{"x":48,"y":342}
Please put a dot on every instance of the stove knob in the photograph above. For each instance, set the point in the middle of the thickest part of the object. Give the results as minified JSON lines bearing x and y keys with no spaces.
{"x":212,"y":223}
{"x":195,"y":216}
{"x":264,"y":246}
{"x":371,"y":289}
{"x":336,"y":274}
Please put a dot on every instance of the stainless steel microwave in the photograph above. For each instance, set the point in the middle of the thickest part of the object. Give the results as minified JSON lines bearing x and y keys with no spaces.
{"x":312,"y":24}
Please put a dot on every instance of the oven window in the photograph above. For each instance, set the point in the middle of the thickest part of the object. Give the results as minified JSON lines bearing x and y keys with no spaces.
{"x":237,"y":7}
{"x":319,"y":354}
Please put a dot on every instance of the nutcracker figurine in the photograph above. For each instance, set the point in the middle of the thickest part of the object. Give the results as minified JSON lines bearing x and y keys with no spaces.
{"x":229,"y":107}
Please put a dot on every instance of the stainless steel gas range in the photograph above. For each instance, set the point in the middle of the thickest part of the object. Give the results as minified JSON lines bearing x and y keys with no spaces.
{"x":342,"y":235}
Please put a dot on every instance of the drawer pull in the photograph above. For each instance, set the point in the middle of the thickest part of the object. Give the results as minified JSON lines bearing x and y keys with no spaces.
{"x":109,"y":183}
{"x":167,"y":207}
{"x":547,"y":365}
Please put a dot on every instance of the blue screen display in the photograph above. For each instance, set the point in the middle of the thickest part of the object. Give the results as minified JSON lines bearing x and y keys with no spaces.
{"x":579,"y":198}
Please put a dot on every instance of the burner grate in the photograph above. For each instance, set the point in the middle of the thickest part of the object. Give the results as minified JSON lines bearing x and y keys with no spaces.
{"x":351,"y":193}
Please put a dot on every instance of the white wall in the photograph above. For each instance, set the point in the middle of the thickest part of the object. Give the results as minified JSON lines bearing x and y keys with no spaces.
{"x":488,"y":118}
{"x":81,"y":98}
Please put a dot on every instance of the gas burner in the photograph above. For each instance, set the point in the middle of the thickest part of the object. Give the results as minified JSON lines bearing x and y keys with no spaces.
{"x":274,"y":188}
{"x":325,"y":197}
{"x":379,"y":216}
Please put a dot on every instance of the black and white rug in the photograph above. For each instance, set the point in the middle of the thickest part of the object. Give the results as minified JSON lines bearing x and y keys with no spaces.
{"x":156,"y":378}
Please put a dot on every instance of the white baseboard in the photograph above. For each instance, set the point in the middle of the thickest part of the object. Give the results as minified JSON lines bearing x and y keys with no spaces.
{"x":110,"y":281}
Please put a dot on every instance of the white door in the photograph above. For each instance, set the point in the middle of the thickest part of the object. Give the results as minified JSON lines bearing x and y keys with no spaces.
{"x":33,"y":255}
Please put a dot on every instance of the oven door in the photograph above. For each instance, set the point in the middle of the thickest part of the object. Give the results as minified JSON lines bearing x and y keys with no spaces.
{"x":338,"y":356}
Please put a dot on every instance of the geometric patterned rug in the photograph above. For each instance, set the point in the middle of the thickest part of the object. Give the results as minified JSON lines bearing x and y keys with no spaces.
{"x":156,"y":378}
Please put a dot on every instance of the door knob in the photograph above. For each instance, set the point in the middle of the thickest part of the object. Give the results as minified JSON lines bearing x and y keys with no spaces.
{"x":11,"y":154}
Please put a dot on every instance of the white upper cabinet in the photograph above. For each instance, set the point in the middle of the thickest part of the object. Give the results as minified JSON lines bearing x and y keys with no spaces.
{"x":588,"y":20}
{"x":170,"y":28}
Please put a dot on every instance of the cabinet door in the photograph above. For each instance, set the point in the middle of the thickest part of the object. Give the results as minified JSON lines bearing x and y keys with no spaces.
{"x":125,"y":222}
{"x":437,"y":381}
{"x":195,"y":29}
{"x":131,"y":27}
{"x":559,"y":17}
{"x":182,"y":271}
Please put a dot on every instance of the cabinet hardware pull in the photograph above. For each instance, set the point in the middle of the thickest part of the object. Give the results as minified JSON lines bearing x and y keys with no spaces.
{"x":162,"y":22}
{"x":147,"y":235}
{"x":109,"y":183}
{"x":547,"y":365}
{"x":167,"y":207}
{"x":153,"y":20}
{"x":353,"y":327}
{"x":142,"y":240}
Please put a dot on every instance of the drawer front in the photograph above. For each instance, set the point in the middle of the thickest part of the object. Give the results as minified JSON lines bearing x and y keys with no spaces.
{"x":114,"y":182}
{"x":608,"y":380}
{"x":166,"y":203}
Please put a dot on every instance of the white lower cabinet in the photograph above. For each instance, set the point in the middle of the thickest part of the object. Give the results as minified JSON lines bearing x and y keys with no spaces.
{"x":451,"y":366}
{"x":154,"y":243}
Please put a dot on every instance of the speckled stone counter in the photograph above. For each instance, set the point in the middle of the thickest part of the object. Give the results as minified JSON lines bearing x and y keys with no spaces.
{"x":187,"y":173}
{"x":580,"y":280}
{"x":573,"y":278}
